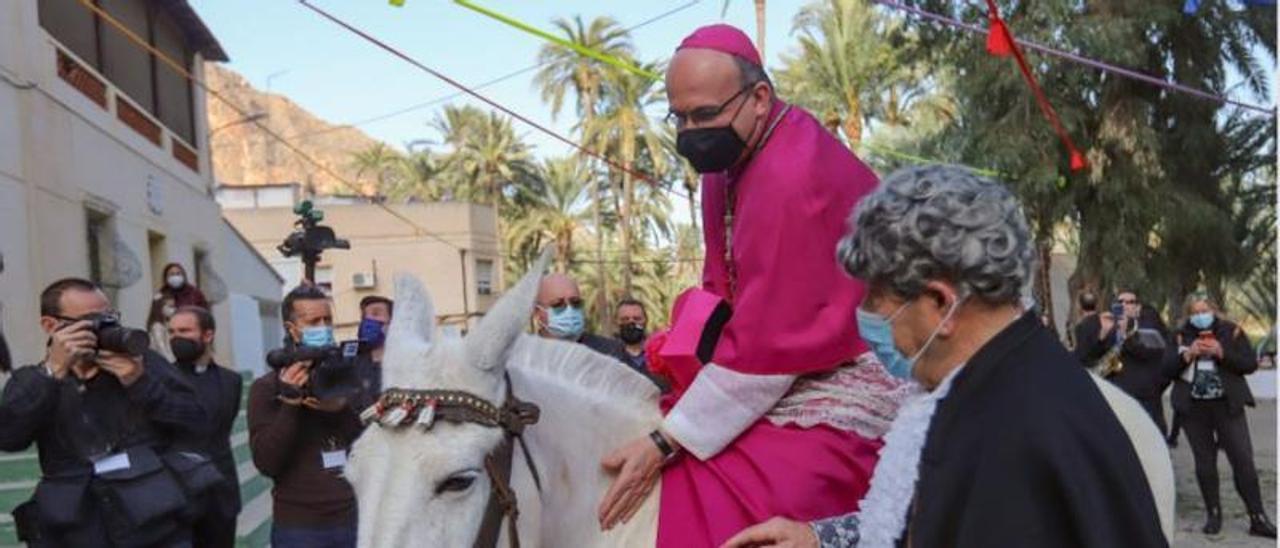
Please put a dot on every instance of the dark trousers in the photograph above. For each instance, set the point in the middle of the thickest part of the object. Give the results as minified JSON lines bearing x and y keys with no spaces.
{"x":214,"y":531}
{"x":1155,"y":408}
{"x":1211,"y":426}
{"x":1175,"y":427}
{"x":313,"y":537}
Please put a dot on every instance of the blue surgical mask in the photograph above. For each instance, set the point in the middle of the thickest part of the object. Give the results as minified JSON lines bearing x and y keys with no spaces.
{"x":318,"y":336}
{"x":1203,"y":320}
{"x":877,"y":330}
{"x":372,"y":332}
{"x":565,"y":322}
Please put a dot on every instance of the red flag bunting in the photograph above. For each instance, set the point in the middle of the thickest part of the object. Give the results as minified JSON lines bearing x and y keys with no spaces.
{"x":1000,"y":43}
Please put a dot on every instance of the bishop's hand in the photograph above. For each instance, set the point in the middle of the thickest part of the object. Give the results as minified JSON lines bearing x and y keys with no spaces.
{"x":638,"y":465}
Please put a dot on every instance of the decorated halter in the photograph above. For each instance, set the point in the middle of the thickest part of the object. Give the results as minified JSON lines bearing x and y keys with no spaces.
{"x":402,"y":407}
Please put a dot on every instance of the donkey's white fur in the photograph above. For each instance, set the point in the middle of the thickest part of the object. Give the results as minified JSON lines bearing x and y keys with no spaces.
{"x":590,"y":405}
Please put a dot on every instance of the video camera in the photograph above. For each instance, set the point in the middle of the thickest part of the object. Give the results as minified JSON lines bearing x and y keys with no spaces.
{"x":115,"y":337}
{"x":310,"y":238}
{"x":332,"y":373}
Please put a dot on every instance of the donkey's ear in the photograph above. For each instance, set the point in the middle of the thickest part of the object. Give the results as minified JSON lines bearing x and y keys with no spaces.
{"x":415,"y":315}
{"x":489,"y":342}
{"x":410,"y":334}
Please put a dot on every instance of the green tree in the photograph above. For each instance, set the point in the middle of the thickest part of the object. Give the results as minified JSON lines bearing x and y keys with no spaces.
{"x":564,"y":69}
{"x":486,"y":158}
{"x":625,"y":132}
{"x":845,"y":62}
{"x":560,"y":209}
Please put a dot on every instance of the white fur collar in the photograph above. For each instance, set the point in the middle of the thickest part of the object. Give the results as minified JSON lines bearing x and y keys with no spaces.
{"x":882,"y":515}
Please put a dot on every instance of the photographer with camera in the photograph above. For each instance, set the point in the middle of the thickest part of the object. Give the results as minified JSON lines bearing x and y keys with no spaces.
{"x":102,"y":411}
{"x":301,"y":426}
{"x":192,"y":330}
{"x":1128,"y":347}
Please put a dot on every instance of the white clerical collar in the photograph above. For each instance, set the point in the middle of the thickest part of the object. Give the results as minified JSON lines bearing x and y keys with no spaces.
{"x":883,"y":512}
{"x":201,"y":368}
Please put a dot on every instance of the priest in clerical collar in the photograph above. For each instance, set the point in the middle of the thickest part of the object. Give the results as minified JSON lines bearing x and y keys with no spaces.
{"x":1008,"y":442}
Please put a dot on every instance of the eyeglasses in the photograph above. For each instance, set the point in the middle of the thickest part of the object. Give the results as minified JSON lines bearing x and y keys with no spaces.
{"x":1126,"y":301}
{"x":559,"y":305}
{"x":108,"y":315}
{"x":701,"y":115}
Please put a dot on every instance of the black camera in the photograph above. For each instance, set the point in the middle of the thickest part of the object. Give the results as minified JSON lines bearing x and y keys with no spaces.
{"x":332,"y":373}
{"x":115,"y":337}
{"x":310,"y":237}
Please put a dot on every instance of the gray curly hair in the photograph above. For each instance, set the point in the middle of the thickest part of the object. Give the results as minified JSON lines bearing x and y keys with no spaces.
{"x":940,"y":222}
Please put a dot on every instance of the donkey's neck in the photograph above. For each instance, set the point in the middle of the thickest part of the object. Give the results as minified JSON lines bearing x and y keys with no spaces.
{"x":591,"y":405}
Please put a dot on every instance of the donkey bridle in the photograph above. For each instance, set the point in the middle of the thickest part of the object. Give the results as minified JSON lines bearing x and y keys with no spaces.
{"x":398,"y":407}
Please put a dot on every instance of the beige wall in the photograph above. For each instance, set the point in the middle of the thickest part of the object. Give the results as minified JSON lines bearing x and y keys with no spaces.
{"x":386,"y":246}
{"x":60,"y":154}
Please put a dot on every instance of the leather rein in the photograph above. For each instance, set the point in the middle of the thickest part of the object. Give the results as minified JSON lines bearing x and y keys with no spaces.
{"x":401,"y":407}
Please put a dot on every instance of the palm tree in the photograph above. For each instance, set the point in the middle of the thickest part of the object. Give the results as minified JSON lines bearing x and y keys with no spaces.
{"x":487,"y":157}
{"x":624,"y":131}
{"x":689,"y":178}
{"x":564,"y":69}
{"x":843,"y":62}
{"x":557,"y":211}
{"x":382,"y":162}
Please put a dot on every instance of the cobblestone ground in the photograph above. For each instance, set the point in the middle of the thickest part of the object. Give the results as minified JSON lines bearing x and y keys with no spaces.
{"x":1235,"y":521}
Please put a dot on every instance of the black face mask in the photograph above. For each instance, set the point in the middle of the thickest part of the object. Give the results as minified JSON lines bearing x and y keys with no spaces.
{"x":710,"y":149}
{"x":631,"y":334}
{"x":186,"y":350}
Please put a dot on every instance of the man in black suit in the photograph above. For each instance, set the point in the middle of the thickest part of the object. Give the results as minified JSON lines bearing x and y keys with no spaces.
{"x":192,"y":330}
{"x":1142,"y":339}
{"x":1087,"y":324}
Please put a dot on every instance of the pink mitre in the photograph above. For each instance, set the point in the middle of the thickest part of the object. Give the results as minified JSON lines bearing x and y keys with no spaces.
{"x":723,"y":38}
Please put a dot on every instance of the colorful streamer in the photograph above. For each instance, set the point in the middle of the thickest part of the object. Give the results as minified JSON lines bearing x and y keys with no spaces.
{"x":1000,"y":43}
{"x":582,"y":50}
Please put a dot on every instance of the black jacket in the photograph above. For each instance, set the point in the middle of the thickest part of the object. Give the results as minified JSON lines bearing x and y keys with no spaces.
{"x":71,"y":422}
{"x":218,"y":389}
{"x":1237,"y":361}
{"x":617,"y":350}
{"x":1025,"y":451}
{"x":1143,"y":355}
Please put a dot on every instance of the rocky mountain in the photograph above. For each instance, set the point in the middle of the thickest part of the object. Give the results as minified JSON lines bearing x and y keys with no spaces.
{"x":245,"y":155}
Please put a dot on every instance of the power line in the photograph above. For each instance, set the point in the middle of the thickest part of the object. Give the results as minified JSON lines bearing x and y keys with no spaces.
{"x":416,"y":63}
{"x":1105,"y":67}
{"x":419,"y":230}
{"x":482,"y":85}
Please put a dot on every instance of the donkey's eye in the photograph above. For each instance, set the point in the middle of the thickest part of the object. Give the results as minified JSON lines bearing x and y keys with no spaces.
{"x":458,"y":482}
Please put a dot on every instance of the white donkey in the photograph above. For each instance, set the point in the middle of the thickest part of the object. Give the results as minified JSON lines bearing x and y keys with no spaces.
{"x":425,"y":483}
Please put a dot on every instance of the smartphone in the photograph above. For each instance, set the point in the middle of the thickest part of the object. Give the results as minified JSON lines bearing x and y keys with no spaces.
{"x":1117,"y":311}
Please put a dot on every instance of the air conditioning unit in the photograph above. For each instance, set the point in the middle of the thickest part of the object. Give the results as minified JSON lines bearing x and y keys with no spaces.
{"x":363,"y":280}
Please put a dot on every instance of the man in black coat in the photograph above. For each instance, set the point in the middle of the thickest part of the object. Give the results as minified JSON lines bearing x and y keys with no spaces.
{"x":1012,"y":443}
{"x":218,"y":389}
{"x":1142,"y":337}
{"x":100,"y":420}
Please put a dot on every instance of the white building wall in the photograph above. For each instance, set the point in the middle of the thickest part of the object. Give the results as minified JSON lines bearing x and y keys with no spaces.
{"x":61,"y":153}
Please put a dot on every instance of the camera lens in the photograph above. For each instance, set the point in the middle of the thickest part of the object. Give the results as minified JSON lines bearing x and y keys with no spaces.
{"x":124,"y":340}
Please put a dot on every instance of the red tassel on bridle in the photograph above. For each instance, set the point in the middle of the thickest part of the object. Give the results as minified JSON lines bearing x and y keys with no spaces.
{"x":1000,"y":43}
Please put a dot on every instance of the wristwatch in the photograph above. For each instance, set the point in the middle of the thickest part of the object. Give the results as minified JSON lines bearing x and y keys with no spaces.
{"x":668,"y":452}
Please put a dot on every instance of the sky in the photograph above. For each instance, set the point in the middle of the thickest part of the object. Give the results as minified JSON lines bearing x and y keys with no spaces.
{"x":283,"y":47}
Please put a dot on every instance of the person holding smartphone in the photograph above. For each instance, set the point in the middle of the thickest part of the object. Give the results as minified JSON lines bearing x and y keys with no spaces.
{"x":1210,"y":393}
{"x":1141,"y":337}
